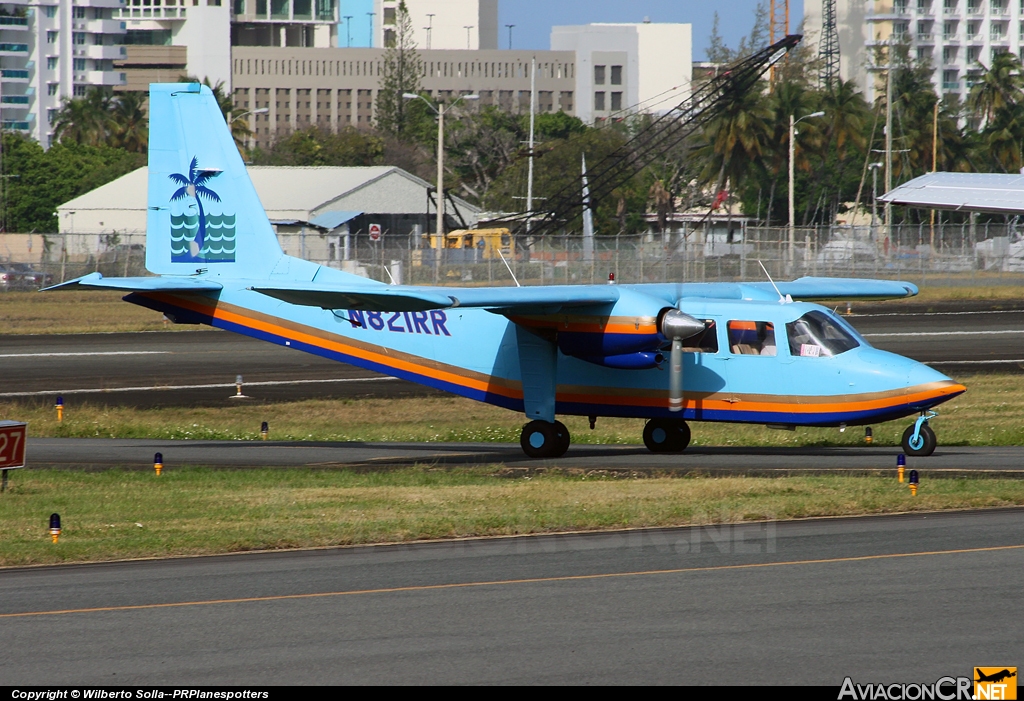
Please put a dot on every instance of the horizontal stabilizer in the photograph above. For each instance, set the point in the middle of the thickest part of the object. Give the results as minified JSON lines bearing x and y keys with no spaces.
{"x":96,"y":281}
{"x":407,"y":298}
{"x":968,"y":192}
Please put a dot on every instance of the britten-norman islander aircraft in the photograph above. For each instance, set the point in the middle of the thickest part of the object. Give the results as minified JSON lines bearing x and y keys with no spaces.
{"x":669,"y":353}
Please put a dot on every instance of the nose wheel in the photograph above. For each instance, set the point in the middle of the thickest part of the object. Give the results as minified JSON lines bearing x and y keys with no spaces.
{"x":666,"y":435}
{"x":541,"y":439}
{"x":919,"y":438}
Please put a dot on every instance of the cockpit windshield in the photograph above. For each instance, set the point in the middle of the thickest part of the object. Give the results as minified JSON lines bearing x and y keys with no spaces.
{"x":815,"y":334}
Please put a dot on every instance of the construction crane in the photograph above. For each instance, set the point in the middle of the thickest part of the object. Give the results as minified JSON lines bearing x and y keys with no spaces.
{"x":778,"y":26}
{"x":657,"y":137}
{"x":828,"y":46}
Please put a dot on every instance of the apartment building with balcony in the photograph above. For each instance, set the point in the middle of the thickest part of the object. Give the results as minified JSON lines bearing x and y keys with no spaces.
{"x":955,"y":36}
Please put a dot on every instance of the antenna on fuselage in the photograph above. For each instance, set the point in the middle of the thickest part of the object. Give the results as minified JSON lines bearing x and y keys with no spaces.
{"x":509,"y":268}
{"x":783,"y":299}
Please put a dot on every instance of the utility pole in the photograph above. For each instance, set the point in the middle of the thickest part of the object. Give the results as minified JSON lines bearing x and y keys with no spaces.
{"x":348,"y":30}
{"x":430,"y":29}
{"x":370,"y":15}
{"x":529,"y":176}
{"x":510,"y":35}
{"x":469,"y":34}
{"x":888,"y":142}
{"x":935,"y":162}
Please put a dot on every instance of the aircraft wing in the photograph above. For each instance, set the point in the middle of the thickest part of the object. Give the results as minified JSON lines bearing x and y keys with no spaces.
{"x":968,"y":192}
{"x":397,"y":298}
{"x":138,"y":284}
{"x":819,"y":289}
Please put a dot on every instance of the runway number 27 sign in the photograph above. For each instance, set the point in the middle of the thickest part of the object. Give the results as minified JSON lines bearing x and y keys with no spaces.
{"x":12,"y":444}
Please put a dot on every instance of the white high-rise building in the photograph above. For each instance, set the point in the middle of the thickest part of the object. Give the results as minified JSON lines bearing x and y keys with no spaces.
{"x":57,"y":50}
{"x":623,"y":68}
{"x":955,"y":36}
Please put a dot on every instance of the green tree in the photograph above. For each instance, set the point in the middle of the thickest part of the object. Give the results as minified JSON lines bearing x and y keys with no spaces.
{"x":129,"y":128}
{"x":400,"y":74}
{"x":84,"y":120}
{"x":999,"y":88}
{"x":315,"y":146}
{"x":46,"y":179}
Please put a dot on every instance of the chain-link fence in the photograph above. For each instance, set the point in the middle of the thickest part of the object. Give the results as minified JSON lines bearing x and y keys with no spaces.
{"x":948,"y":254}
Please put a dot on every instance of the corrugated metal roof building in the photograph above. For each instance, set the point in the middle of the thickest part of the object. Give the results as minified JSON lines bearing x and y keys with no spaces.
{"x":326,"y":201}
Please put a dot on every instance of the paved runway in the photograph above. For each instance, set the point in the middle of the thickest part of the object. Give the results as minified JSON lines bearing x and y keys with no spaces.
{"x":97,"y":453}
{"x":199,"y":368}
{"x":881,"y":599}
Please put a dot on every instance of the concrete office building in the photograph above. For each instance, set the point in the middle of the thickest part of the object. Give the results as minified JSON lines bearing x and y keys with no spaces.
{"x":336,"y":88}
{"x":955,"y":36}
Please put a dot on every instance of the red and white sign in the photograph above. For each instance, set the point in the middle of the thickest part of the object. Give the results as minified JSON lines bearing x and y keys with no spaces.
{"x":375,"y":232}
{"x":12,"y":444}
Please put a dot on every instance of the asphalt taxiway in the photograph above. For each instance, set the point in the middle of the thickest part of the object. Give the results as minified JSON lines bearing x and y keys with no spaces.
{"x":97,"y":453}
{"x":889,"y":599}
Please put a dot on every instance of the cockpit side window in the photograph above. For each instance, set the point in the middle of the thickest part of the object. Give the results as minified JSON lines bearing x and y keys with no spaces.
{"x":815,"y":335}
{"x":704,"y":342}
{"x":752,"y":337}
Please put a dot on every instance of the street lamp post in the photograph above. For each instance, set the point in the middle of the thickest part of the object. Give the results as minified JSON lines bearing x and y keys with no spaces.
{"x":440,"y":111}
{"x":792,"y":207}
{"x":261,"y":110}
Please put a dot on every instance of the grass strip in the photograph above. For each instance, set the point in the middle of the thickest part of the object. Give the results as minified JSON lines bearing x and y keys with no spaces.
{"x":988,"y":414}
{"x":119,"y":514}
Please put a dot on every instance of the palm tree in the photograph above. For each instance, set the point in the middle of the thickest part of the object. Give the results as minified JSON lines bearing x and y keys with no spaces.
{"x":85,"y":120}
{"x":194,"y":186}
{"x":736,"y":138}
{"x":999,"y":87}
{"x":130,"y":130}
{"x":239,"y":126}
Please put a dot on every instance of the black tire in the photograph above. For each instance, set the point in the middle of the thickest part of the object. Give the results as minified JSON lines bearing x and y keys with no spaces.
{"x":666,"y":435}
{"x":541,"y":439}
{"x":926,"y":438}
{"x":564,"y":440}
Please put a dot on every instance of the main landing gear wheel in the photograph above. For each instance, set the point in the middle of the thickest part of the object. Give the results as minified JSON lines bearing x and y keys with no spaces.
{"x":925,"y":443}
{"x":541,"y":439}
{"x":666,"y":435}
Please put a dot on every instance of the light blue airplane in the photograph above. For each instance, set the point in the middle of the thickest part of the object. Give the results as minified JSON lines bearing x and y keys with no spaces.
{"x":669,"y":353}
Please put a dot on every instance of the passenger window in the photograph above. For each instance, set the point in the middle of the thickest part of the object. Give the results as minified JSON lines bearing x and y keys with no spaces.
{"x":752,"y":337}
{"x":704,"y":342}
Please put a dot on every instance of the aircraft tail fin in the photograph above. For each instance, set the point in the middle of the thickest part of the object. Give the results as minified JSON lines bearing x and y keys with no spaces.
{"x":203,"y":211}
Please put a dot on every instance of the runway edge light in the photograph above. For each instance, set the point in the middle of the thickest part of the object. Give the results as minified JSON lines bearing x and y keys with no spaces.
{"x":913,"y":483}
{"x":158,"y":463}
{"x":868,"y":436}
{"x":264,"y":430}
{"x":59,"y":406}
{"x":54,"y":526}
{"x":901,"y":465}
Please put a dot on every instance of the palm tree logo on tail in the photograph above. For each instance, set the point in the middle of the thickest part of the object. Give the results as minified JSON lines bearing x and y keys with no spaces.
{"x":200,"y":244}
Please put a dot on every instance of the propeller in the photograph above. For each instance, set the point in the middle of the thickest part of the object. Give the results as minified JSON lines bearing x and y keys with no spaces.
{"x":676,"y":326}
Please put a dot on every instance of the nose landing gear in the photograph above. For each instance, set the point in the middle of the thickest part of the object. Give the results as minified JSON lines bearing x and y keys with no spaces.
{"x":919,"y":439}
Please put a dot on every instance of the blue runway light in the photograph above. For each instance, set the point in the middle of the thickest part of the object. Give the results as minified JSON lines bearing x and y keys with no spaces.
{"x":60,"y":409}
{"x":901,"y":465}
{"x":54,"y":526}
{"x":913,"y":477}
{"x":264,"y":430}
{"x":158,"y":463}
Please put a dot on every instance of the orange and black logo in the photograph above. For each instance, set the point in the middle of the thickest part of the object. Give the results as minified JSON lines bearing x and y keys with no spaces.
{"x":995,"y":683}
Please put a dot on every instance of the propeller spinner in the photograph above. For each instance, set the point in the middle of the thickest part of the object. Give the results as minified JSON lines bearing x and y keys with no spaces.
{"x":676,"y":325}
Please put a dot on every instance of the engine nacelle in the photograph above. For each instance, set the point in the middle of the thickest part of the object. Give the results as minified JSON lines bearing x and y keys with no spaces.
{"x":627,"y":361}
